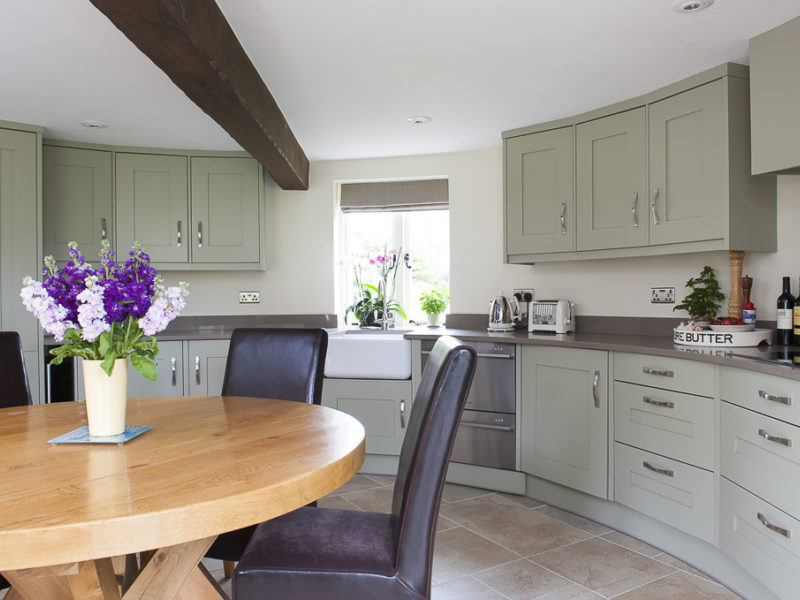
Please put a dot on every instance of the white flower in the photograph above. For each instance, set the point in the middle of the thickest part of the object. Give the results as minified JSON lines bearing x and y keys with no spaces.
{"x":91,"y":312}
{"x":52,"y":316}
{"x":167,"y":303}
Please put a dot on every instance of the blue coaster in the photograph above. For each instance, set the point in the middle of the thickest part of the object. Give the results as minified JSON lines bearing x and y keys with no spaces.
{"x":81,"y":436}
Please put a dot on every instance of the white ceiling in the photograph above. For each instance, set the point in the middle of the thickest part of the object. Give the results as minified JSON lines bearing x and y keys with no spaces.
{"x":347,"y":73}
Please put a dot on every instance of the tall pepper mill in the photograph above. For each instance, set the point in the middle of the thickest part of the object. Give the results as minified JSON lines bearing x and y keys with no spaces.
{"x":748,"y":310}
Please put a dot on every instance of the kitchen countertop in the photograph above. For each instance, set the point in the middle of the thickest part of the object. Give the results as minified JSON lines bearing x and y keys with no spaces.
{"x":657,"y":345}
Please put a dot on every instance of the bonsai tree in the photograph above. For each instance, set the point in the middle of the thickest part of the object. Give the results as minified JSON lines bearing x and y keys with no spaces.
{"x":703,"y":302}
{"x":434,"y":302}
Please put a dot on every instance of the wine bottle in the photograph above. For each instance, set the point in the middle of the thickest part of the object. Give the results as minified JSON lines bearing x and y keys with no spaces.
{"x":796,"y":319}
{"x":783,"y":328}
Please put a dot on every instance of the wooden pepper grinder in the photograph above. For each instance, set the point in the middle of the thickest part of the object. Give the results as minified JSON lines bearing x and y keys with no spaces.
{"x":735,"y":305}
{"x":747,"y":286}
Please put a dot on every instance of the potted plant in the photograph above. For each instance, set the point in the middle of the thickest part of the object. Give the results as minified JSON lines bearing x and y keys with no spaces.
{"x":371,"y":299}
{"x":434,"y":303}
{"x":703,"y":302}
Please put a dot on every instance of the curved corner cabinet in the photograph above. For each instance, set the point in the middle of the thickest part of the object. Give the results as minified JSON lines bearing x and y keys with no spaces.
{"x":191,"y":211}
{"x":664,"y":173}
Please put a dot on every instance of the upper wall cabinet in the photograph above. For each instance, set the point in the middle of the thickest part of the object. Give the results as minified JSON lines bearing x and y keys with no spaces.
{"x":77,"y":201}
{"x":775,"y":96}
{"x":189,"y":211}
{"x":661,"y":174}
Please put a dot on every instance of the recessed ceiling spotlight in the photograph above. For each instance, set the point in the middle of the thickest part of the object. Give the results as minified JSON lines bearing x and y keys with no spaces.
{"x":93,"y":124}
{"x":419,"y":119}
{"x":691,"y":6}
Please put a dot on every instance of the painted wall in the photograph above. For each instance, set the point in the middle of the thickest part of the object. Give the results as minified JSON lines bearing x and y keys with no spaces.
{"x":301,"y":240}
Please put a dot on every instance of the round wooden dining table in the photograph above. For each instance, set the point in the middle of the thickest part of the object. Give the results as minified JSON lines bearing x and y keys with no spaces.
{"x":133,"y":521}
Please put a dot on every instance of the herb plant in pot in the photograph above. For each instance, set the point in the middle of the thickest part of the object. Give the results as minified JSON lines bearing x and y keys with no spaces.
{"x":703,"y":302}
{"x":434,"y":303}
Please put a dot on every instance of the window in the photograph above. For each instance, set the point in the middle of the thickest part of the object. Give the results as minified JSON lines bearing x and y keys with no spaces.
{"x":418,"y":231}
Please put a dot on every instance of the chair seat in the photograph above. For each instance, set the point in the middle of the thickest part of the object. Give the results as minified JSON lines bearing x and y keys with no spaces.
{"x":322,"y":553}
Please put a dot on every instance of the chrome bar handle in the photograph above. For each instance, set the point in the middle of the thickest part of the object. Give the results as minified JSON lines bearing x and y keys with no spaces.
{"x":774,"y":438}
{"x":199,"y":234}
{"x":173,"y":362}
{"x":197,"y":370}
{"x":563,"y":221}
{"x":656,"y":192}
{"x":49,"y":399}
{"x":659,"y":372}
{"x":402,"y":414}
{"x":103,"y":229}
{"x":595,"y":380}
{"x":486,"y":426}
{"x":180,"y":234}
{"x":780,"y":399}
{"x":667,"y":472}
{"x":787,"y":533}
{"x":664,"y":403}
{"x":488,"y":355}
{"x":633,"y":210}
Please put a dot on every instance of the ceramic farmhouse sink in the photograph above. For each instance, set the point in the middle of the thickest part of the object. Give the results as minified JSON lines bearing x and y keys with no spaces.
{"x":368,"y":355}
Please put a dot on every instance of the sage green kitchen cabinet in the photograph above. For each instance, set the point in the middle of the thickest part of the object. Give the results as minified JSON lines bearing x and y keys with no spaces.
{"x":564,"y":416}
{"x":20,"y":233}
{"x":774,"y":98}
{"x":153,"y":205}
{"x":169,"y":380}
{"x":225,"y":210}
{"x":611,"y":181}
{"x":206,"y":367}
{"x":77,"y":200}
{"x":382,"y":406}
{"x":540,"y":197}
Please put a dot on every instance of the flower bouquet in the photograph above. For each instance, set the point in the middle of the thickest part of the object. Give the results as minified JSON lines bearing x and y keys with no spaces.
{"x":104,"y":314}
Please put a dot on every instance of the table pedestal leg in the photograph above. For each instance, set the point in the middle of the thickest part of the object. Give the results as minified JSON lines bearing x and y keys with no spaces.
{"x":172,"y":573}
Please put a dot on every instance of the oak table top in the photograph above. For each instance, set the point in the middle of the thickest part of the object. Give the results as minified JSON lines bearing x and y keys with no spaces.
{"x":210,"y":464}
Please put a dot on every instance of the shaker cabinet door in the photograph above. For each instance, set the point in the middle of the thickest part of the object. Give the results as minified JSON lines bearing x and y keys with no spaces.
{"x":611,"y":181}
{"x":169,"y":371}
{"x":153,"y":205}
{"x":540,"y":198}
{"x":688,"y":154}
{"x":77,"y":200}
{"x":206,"y":368}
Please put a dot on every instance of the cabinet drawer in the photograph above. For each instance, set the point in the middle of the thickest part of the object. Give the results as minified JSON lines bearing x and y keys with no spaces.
{"x":745,"y":536}
{"x":669,"y":373}
{"x":768,"y":467}
{"x":774,"y":396}
{"x":672,"y":424}
{"x":681,"y":495}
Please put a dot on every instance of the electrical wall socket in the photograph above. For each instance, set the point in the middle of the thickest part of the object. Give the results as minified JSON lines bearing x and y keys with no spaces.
{"x":249,"y":297}
{"x":523,"y":291}
{"x":664,"y":295}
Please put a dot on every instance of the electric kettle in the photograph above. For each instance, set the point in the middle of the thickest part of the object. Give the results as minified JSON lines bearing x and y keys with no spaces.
{"x":503,"y":313}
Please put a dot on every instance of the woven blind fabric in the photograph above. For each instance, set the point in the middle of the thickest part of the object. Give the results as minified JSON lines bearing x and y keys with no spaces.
{"x":377,"y":196}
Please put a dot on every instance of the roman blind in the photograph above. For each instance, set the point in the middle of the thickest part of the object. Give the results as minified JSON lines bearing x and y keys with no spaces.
{"x":377,"y":196}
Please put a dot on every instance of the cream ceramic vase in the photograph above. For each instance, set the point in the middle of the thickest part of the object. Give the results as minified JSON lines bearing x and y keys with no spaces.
{"x":433,"y":319}
{"x":106,"y":397}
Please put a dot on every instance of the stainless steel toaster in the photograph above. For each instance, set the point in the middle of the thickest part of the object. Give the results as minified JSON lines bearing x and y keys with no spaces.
{"x":557,"y":316}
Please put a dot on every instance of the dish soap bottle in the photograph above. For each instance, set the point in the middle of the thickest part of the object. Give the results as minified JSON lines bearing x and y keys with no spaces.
{"x":749,"y":309}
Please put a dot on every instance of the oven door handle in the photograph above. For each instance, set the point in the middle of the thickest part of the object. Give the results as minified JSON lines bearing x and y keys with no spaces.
{"x":484,"y":426}
{"x":479,"y":354}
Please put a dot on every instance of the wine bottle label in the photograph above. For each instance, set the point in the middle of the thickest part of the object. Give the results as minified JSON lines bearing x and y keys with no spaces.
{"x":784,"y":318}
{"x":797,"y":320}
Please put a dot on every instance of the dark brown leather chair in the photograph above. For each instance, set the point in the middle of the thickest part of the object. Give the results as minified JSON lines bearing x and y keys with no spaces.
{"x":332,"y":554}
{"x":286,"y":364}
{"x":14,"y":380}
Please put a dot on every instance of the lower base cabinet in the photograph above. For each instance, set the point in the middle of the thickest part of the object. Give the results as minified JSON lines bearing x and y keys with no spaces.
{"x":169,"y":374}
{"x":382,"y":406}
{"x":564,"y":417}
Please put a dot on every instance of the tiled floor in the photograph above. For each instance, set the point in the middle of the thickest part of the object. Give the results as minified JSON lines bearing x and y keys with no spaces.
{"x":497,"y":546}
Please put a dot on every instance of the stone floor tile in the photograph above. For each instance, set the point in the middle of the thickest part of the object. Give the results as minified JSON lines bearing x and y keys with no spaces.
{"x":679,"y":564}
{"x":458,"y":552}
{"x":443,"y":523}
{"x":575,"y":520}
{"x":603,"y":567}
{"x":631,"y":543}
{"x":523,"y":500}
{"x":381,"y":479}
{"x":456,"y":493}
{"x":463,"y":589}
{"x":373,"y":500}
{"x":337,"y":502}
{"x":680,"y":586}
{"x":573,"y":592}
{"x":357,"y":482}
{"x":511,"y":525}
{"x":522,"y":579}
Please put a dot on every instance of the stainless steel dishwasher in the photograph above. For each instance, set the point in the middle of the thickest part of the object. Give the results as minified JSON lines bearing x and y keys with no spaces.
{"x":487,"y":433}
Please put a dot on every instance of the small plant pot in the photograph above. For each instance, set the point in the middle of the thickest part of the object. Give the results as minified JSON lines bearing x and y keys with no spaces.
{"x":433,"y":319}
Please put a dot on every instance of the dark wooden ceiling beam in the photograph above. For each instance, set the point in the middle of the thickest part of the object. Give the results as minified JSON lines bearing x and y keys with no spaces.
{"x":192,"y":42}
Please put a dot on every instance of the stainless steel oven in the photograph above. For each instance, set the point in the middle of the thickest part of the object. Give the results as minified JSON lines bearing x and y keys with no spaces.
{"x":487,"y":433}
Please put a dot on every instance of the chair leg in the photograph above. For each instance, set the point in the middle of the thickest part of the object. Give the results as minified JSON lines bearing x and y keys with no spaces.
{"x":228,"y":566}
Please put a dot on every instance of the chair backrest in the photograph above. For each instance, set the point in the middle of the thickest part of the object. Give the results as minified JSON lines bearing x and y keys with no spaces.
{"x":425,"y":455}
{"x":13,"y":376}
{"x":286,"y":364}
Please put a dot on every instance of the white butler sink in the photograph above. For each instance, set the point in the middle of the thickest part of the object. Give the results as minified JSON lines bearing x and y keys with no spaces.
{"x":368,"y":355}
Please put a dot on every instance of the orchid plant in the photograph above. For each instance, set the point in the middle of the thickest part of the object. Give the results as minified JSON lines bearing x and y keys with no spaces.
{"x":111,"y":312}
{"x":370,"y":297}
